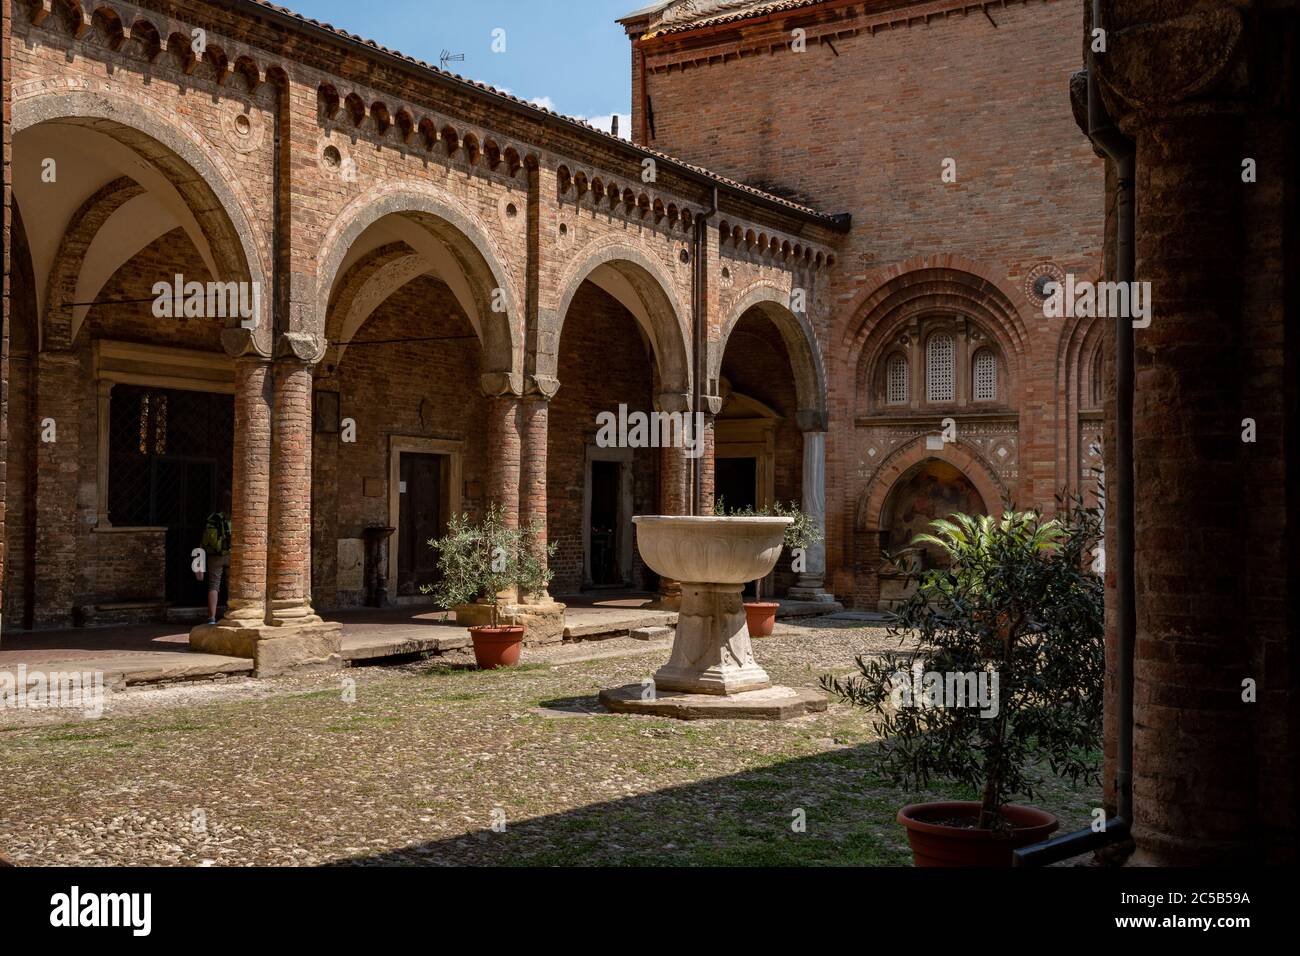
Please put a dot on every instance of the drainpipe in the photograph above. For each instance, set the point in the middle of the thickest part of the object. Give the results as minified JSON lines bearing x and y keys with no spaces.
{"x":1122,"y":151}
{"x":699,"y":321}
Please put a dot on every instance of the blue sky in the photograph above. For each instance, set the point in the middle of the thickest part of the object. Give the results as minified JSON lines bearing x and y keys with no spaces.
{"x":568,"y":54}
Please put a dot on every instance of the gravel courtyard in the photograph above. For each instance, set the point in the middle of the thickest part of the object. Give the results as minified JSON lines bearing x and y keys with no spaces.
{"x":432,"y":763}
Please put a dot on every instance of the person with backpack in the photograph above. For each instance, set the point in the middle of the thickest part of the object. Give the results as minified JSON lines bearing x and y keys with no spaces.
{"x":216,"y":544}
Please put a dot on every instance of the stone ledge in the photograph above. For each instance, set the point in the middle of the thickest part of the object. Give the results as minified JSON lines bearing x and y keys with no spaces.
{"x":771,"y":703}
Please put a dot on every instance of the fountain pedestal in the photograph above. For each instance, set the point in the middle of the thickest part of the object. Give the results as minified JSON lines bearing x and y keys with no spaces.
{"x":712,"y":672}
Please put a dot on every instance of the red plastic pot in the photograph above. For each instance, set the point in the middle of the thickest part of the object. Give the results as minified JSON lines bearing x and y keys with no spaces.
{"x":941,"y":844}
{"x":761,"y":617}
{"x":497,"y":646}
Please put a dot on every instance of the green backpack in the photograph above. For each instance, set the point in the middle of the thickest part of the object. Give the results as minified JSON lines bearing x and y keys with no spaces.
{"x":216,"y":536}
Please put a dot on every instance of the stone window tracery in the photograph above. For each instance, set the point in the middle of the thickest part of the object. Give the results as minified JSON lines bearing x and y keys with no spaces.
{"x":984,"y":376}
{"x":896,"y":380}
{"x":940,"y":369}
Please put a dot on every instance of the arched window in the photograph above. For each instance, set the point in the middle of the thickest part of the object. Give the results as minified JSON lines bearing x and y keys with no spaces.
{"x":984,"y":376}
{"x":939,"y":368}
{"x":896,"y":380}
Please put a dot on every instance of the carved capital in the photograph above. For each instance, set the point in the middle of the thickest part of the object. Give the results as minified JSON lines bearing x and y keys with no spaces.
{"x":495,"y":384}
{"x":1159,"y":57}
{"x":541,"y":386}
{"x":300,"y":347}
{"x":244,"y":343}
{"x":673,"y":402}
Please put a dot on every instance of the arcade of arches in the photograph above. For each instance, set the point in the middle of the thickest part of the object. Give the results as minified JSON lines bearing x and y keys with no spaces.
{"x":450,"y":286}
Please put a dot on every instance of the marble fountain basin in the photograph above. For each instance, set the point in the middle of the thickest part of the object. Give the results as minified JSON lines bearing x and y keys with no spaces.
{"x":727,"y":551}
{"x":712,"y":673}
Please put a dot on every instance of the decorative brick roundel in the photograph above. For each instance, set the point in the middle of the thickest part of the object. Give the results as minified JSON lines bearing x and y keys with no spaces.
{"x":1038,"y":277}
{"x":243,"y":130}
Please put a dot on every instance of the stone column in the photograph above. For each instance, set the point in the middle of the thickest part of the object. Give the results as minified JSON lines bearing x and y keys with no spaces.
{"x":811,"y":581}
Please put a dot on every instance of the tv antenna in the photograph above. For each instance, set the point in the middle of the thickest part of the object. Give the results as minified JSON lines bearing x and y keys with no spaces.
{"x":449,"y":57}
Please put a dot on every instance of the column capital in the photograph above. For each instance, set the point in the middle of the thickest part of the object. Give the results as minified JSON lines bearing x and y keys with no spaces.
{"x":541,"y":387}
{"x":301,"y":347}
{"x":812,"y":420}
{"x":673,"y":402}
{"x":1160,"y":59}
{"x":500,"y":384}
{"x":712,"y":404}
{"x":244,"y":343}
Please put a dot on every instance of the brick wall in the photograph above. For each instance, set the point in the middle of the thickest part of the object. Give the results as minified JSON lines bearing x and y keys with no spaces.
{"x":866,"y":132}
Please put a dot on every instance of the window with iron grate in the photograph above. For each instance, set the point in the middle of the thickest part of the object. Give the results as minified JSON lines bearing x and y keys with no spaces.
{"x":940,"y":371}
{"x":896,"y":380}
{"x":985,"y":368}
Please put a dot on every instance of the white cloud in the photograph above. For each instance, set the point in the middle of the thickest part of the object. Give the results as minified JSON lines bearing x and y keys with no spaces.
{"x":600,"y":122}
{"x":604,"y":123}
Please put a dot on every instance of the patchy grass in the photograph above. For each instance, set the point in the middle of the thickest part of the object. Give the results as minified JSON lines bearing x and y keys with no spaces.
{"x":430,"y":757}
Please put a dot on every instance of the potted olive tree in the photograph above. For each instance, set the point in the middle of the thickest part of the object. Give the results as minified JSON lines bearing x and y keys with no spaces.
{"x":1005,"y":683}
{"x":478,"y":562}
{"x":799,"y":536}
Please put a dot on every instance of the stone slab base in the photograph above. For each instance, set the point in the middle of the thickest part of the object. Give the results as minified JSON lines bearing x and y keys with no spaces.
{"x":311,"y":648}
{"x":650,"y":633}
{"x":772,"y":703}
{"x":544,"y":622}
{"x":794,"y":608}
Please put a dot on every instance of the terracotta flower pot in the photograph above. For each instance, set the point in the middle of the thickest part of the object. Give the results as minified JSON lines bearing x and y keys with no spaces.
{"x":937,"y":843}
{"x":497,"y":646}
{"x":761,"y":617}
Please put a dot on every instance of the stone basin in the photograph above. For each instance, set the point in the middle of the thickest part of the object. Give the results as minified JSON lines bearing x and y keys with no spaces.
{"x":713,"y":558}
{"x":716,"y":550}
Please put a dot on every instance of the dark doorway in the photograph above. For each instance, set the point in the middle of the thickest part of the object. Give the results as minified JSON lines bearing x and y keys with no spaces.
{"x":606,"y":481}
{"x":420,"y":520}
{"x":169,"y":463}
{"x":736,"y":482}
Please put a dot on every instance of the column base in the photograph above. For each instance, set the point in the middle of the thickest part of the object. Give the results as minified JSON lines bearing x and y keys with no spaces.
{"x":315,"y":646}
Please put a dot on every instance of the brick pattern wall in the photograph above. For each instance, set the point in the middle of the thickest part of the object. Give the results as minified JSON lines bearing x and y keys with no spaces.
{"x":866,"y":132}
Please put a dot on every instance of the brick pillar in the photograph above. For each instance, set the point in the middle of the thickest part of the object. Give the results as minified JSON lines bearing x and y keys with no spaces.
{"x":706,"y":463}
{"x":534,"y":423}
{"x":250,"y":493}
{"x":504,"y":446}
{"x":674,"y":488}
{"x":56,"y":434}
{"x":1193,"y":765}
{"x":289,"y":557}
{"x":271,"y":619}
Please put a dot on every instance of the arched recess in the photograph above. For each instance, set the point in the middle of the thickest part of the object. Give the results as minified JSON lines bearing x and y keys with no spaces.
{"x":171,"y":160}
{"x":871,"y":503}
{"x":940,"y":285}
{"x":456,"y":249}
{"x":1079,"y":362}
{"x":928,"y":491}
{"x":642,"y":287}
{"x":796,"y":331}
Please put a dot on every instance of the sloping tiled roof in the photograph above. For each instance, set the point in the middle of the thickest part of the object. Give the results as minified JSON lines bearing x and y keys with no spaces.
{"x":284,"y":13}
{"x":678,"y":16}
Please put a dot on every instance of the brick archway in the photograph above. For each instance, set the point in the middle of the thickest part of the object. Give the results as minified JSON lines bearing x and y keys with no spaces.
{"x":490,"y":282}
{"x":871,"y":503}
{"x":796,"y":331}
{"x":175,"y":150}
{"x":661,"y":316}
